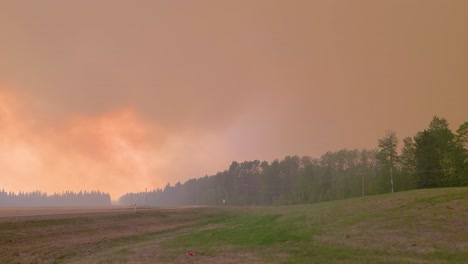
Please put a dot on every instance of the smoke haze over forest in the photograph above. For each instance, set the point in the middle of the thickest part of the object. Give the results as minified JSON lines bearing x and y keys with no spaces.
{"x":121,"y":96}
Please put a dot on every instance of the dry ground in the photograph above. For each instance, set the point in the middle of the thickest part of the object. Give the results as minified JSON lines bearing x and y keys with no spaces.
{"x":422,"y":226}
{"x":32,"y":236}
{"x":48,"y":211}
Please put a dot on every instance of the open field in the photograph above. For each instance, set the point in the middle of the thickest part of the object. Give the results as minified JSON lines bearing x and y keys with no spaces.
{"x":47,"y":211}
{"x":423,"y":226}
{"x":35,"y":212}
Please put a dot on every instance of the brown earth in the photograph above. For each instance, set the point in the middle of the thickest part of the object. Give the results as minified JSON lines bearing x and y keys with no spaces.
{"x":48,"y":211}
{"x":31,"y":236}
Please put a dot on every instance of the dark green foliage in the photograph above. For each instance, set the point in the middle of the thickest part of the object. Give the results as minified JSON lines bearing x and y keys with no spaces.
{"x":435,"y":157}
{"x":428,"y":158}
{"x":438,"y":156}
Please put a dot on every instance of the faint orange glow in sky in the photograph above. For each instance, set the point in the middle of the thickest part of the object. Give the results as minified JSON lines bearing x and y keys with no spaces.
{"x":120,"y":97}
{"x":111,"y":151}
{"x":116,"y":151}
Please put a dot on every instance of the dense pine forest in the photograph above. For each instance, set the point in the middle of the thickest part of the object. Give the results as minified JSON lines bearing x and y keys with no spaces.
{"x":434,"y":157}
{"x":40,"y":199}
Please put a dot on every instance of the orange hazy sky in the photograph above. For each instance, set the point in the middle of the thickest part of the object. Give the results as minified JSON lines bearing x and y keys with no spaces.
{"x":126,"y":95}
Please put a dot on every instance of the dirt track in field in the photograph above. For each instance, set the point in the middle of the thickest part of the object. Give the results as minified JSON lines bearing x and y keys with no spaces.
{"x":50,"y":211}
{"x":49,"y":235}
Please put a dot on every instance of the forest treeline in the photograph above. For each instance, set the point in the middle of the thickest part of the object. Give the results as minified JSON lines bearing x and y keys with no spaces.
{"x":40,"y":199}
{"x":434,"y":157}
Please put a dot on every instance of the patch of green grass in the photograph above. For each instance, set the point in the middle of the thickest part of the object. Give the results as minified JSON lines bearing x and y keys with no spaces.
{"x":276,"y":238}
{"x":443,"y":198}
{"x":448,"y":257}
{"x":324,"y":233}
{"x":434,"y":197}
{"x":124,"y":251}
{"x":421,"y":226}
{"x":247,"y":230}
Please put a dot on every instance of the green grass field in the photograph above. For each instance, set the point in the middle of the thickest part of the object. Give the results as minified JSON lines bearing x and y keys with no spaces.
{"x":422,"y":226}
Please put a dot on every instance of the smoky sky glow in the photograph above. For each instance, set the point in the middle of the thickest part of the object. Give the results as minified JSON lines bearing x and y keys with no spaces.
{"x":116,"y":149}
{"x":121,"y":96}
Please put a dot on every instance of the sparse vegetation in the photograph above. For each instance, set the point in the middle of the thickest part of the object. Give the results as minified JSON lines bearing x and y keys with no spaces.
{"x":423,"y":226}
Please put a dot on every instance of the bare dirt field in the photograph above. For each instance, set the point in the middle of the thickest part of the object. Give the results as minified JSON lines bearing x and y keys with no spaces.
{"x":37,"y":211}
{"x":24,"y":213}
{"x":50,"y":234}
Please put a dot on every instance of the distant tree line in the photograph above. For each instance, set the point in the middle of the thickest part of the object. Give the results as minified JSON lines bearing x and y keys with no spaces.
{"x":39,"y":199}
{"x":435,"y":157}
